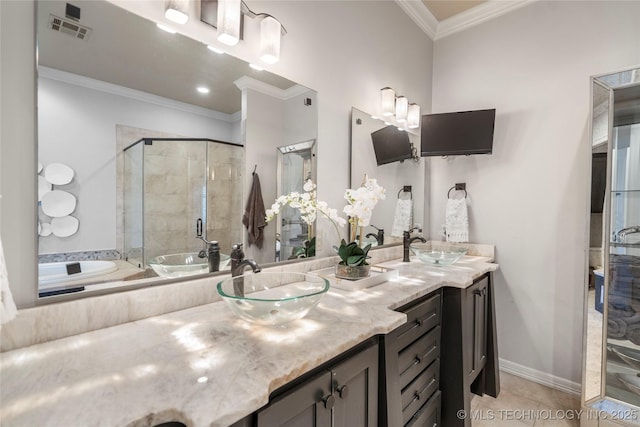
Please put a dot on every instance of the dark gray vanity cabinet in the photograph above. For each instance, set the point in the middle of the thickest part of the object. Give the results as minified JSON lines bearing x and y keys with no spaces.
{"x":343,"y":393}
{"x":410,"y":357}
{"x":469,"y":354}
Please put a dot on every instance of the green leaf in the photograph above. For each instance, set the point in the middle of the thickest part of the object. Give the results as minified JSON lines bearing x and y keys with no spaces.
{"x":356,"y":260}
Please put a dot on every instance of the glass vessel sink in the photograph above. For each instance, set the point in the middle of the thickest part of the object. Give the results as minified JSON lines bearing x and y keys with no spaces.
{"x":437,"y":254}
{"x":272,"y":298}
{"x":181,"y":265}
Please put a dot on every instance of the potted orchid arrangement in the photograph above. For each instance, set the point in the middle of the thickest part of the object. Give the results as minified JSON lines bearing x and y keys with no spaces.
{"x":361,"y":201}
{"x":310,"y":208}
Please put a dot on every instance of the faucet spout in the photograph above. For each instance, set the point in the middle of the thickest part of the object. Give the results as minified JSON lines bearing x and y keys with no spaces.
{"x":238,"y":264}
{"x":212,"y":253}
{"x":407,"y":240}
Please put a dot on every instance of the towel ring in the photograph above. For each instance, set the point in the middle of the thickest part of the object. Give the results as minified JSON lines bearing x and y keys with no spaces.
{"x":406,"y":189}
{"x":458,"y":187}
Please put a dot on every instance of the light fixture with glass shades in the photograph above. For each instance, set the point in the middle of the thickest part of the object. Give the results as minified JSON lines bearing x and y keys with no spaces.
{"x":402,"y":108}
{"x":413,"y":116}
{"x":227,"y":16}
{"x":399,"y":110}
{"x":387,"y":101}
{"x":176,"y":11}
{"x":270,"y":29}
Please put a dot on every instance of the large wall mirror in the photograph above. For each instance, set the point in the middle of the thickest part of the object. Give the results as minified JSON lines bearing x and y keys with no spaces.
{"x":142,"y":136}
{"x":612,"y":353}
{"x":403,"y":207}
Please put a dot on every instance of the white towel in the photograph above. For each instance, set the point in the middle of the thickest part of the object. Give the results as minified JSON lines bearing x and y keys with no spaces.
{"x":8,"y":309}
{"x":403,"y":217}
{"x":456,"y":221}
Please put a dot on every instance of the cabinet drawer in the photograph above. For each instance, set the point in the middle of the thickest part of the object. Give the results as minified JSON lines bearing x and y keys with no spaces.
{"x":420,"y":390}
{"x":420,"y":318}
{"x":428,"y":415}
{"x":417,"y":356}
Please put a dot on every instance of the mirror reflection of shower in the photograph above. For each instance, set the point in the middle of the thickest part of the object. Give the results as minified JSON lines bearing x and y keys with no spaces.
{"x":296,"y":164}
{"x":170,"y":183}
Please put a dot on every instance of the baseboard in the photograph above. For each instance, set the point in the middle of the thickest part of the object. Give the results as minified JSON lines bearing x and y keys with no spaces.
{"x":540,"y":377}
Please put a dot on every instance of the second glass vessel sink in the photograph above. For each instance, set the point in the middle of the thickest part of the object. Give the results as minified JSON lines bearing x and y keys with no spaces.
{"x":272,"y":298}
{"x":438,"y":254}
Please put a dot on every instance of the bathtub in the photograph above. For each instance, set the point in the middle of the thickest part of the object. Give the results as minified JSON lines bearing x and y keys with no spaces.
{"x":57,"y":273}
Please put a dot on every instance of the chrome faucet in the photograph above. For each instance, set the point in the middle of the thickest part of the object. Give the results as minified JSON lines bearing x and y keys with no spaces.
{"x":212,"y":253}
{"x":379,"y":237}
{"x":407,"y":240}
{"x":619,"y":236}
{"x":238,"y":264}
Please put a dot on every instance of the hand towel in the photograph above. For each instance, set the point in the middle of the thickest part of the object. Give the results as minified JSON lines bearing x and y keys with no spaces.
{"x":254,"y":214}
{"x":8,"y":309}
{"x":403,"y":217}
{"x":456,"y":221}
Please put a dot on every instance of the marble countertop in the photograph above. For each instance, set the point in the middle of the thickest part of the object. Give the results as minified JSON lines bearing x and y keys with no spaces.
{"x":202,"y":366}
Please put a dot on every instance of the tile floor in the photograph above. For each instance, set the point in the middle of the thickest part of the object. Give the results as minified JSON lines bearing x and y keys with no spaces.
{"x":525,"y":403}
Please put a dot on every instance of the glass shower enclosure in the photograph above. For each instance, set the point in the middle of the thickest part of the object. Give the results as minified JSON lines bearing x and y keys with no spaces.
{"x":170,"y":183}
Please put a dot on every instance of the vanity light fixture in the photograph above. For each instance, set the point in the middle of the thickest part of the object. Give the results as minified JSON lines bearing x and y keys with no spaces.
{"x":176,"y":11}
{"x":229,"y":16}
{"x":203,"y":89}
{"x":413,"y":116}
{"x":165,"y":28}
{"x":402,"y":108}
{"x":270,"y":30}
{"x":398,"y":110}
{"x":387,"y":101}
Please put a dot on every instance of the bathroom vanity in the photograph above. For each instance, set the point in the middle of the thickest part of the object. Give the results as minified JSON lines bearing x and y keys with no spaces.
{"x":367,"y":357}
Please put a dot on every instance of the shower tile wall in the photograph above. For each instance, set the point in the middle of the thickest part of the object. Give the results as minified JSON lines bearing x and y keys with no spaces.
{"x":225,"y":204}
{"x":174,"y":179}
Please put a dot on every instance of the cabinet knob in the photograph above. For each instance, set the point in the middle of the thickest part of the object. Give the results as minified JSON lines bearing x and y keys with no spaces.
{"x":343,"y":391}
{"x":329,"y":401}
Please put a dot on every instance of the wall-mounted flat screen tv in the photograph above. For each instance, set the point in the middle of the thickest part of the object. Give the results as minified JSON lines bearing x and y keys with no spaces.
{"x":455,"y":134}
{"x":391,"y":144}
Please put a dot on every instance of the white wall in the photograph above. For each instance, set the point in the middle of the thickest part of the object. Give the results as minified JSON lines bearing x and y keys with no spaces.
{"x":74,"y":121}
{"x":530,"y":198}
{"x":345,"y":50}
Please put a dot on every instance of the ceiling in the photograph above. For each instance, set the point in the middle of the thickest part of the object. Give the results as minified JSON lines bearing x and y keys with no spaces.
{"x":127,"y":50}
{"x":443,"y":9}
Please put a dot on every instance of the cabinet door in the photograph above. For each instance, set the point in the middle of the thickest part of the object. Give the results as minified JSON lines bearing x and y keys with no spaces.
{"x":480,"y":326}
{"x":355,"y":387}
{"x":475,"y":328}
{"x":308,"y":405}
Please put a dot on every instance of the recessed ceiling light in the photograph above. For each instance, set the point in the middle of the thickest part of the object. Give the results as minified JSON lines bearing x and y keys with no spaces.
{"x":215,"y":49}
{"x":256,"y":67}
{"x":165,"y":28}
{"x":202,"y":89}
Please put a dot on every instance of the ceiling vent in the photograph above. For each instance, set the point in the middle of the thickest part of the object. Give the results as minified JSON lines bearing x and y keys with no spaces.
{"x":69,"y":27}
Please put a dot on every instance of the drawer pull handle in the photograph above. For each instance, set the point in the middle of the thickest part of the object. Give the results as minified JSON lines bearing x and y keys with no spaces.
{"x":418,"y":359}
{"x":329,"y":401}
{"x":416,"y":396}
{"x":343,"y":391}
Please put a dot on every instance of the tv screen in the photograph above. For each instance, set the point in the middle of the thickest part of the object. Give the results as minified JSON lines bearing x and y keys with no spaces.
{"x":391,"y":145}
{"x":452,"y":134}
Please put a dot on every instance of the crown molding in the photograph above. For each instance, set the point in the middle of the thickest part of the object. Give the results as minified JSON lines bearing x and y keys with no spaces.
{"x":246,"y":82}
{"x":477,"y":15}
{"x":422,"y":16}
{"x":113,"y":89}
